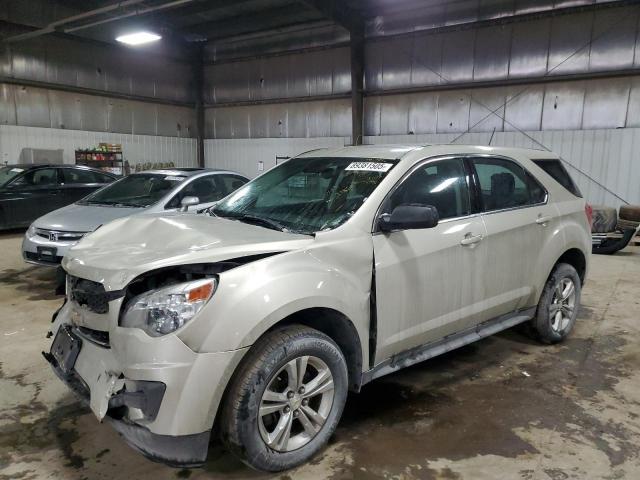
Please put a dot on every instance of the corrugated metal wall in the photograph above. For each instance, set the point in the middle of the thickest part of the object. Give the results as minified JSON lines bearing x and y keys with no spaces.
{"x":326,"y":118}
{"x":102,"y":67}
{"x":586,"y":43}
{"x":136,"y":148}
{"x":38,"y":107}
{"x":243,"y":155}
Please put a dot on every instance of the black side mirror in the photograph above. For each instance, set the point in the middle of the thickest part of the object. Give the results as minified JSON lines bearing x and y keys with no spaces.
{"x":409,"y":217}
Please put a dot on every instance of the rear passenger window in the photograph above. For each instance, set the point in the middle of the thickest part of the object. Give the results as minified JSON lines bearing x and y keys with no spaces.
{"x":442,"y":184}
{"x":556,"y":170}
{"x":505,"y":184}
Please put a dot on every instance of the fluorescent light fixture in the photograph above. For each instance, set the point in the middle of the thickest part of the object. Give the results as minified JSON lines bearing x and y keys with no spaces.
{"x":138,"y":38}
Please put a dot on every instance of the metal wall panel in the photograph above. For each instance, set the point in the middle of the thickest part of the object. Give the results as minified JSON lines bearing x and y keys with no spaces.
{"x":298,"y":119}
{"x":563,"y":104}
{"x":426,"y":67}
{"x":136,"y":148}
{"x":457,"y":56}
{"x":7,"y":105}
{"x":523,"y":107}
{"x":453,"y":111}
{"x":529,"y":48}
{"x":322,"y":72}
{"x":566,"y":44}
{"x":569,"y":43}
{"x":605,"y":104}
{"x":88,"y":65}
{"x":492,"y":53}
{"x":615,"y":46}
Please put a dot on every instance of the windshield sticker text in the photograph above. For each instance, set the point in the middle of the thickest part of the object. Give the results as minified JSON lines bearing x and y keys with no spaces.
{"x":369,"y":166}
{"x":174,"y":178}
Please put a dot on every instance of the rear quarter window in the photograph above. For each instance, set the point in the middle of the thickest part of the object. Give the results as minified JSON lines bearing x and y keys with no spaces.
{"x":555,"y":169}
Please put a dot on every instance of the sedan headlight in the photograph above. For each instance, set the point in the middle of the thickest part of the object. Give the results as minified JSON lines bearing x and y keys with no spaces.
{"x":165,"y":310}
{"x":31,"y":231}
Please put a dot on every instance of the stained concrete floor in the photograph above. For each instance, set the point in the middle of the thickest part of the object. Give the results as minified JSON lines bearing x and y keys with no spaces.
{"x":503,"y":408}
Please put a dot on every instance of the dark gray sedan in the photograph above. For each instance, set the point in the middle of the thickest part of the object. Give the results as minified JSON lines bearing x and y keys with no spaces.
{"x":30,"y":191}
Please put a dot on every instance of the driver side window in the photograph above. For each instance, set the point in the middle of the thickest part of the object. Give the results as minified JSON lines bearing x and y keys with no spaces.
{"x":442,"y":184}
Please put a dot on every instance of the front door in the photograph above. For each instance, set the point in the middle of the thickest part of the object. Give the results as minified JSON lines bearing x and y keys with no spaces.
{"x":429,"y":281}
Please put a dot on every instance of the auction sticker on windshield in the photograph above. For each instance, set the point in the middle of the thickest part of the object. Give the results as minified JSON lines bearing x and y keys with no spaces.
{"x":174,"y":178}
{"x":369,"y":166}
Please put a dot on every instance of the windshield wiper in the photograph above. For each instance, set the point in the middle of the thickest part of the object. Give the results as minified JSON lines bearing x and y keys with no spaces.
{"x":265,"y":222}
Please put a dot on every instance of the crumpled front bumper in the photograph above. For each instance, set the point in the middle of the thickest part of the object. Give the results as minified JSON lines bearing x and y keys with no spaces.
{"x":161,"y":396}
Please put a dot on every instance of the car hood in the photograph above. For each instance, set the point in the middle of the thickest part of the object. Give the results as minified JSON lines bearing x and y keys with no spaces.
{"x":120,"y":251}
{"x":82,"y":218}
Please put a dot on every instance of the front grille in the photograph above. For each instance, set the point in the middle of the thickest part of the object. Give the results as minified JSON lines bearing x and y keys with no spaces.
{"x":42,"y":258}
{"x":91,"y":295}
{"x":95,"y":336}
{"x":59,"y":236}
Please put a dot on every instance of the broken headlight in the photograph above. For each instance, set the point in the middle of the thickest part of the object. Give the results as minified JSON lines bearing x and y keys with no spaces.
{"x":163,"y":311}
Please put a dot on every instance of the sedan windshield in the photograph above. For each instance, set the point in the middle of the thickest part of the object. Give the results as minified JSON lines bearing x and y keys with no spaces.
{"x":7,"y":173}
{"x":137,"y":190}
{"x":306,"y":195}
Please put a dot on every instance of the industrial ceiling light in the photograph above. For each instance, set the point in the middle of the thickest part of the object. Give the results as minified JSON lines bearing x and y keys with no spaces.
{"x":138,"y":38}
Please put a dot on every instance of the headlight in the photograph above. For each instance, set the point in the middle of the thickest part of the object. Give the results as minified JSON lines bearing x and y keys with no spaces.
{"x":31,"y":231}
{"x":163,"y":311}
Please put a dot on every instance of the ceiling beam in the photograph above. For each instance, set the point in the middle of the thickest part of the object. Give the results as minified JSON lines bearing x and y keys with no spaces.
{"x":340,"y":12}
{"x":250,"y":24}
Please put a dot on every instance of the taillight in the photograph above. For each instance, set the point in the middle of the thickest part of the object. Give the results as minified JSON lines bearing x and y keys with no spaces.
{"x":588,"y":211}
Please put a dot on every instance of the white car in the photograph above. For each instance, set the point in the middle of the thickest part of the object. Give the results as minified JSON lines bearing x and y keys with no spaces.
{"x":50,"y":236}
{"x":324,"y":273}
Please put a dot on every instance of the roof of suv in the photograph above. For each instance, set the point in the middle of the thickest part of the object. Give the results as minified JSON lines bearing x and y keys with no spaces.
{"x":396,"y":152}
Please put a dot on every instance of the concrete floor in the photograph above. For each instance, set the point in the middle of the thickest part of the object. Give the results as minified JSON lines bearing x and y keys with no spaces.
{"x":504,"y":408}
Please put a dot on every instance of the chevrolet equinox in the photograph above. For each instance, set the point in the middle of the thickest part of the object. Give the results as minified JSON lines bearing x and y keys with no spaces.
{"x":330,"y":270}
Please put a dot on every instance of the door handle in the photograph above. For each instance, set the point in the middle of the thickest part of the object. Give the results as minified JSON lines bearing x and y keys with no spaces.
{"x":543,"y":220}
{"x":470,"y":239}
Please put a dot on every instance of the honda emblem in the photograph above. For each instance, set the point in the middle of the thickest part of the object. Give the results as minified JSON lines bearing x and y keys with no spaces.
{"x":53,"y":236}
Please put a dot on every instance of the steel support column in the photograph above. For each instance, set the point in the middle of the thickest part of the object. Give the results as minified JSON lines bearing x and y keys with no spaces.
{"x":198,"y":85}
{"x":357,"y":88}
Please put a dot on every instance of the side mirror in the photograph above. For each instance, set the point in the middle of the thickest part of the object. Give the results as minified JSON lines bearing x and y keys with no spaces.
{"x":409,"y":217}
{"x":188,"y":202}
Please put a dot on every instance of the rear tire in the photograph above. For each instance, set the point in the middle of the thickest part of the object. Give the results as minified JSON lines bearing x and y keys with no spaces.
{"x":268,"y":395}
{"x":630,"y":212}
{"x":558,"y":305}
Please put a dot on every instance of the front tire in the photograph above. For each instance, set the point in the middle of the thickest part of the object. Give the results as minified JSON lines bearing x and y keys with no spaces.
{"x":286,"y":399}
{"x":558,"y":305}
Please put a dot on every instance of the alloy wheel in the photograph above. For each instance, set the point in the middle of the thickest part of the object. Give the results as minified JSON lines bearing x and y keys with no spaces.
{"x":296,"y":403}
{"x":562,"y":305}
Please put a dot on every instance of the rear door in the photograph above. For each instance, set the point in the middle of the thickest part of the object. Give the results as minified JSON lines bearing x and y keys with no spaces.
{"x":517,"y":216}
{"x":79,"y":182}
{"x":33,"y":194}
{"x":429,"y":281}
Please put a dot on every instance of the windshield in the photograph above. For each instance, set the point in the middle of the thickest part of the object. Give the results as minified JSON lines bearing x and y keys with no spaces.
{"x":306,"y":195}
{"x":137,"y":190}
{"x":7,"y":173}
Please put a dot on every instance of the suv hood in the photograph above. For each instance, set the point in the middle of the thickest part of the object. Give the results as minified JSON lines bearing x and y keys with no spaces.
{"x":118,"y":252}
{"x":82,"y":218}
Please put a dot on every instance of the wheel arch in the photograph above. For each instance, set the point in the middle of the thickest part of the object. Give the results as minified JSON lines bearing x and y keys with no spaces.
{"x":339,"y":328}
{"x":577,"y":259}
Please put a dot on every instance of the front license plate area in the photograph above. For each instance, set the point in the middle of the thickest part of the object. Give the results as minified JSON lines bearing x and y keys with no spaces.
{"x":47,"y":254}
{"x":65,"y":349}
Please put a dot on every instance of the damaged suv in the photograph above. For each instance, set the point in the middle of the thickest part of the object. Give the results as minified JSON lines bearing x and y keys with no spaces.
{"x":326,"y":272}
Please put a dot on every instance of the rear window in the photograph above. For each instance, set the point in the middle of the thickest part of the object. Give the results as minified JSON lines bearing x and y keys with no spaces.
{"x":555,"y":169}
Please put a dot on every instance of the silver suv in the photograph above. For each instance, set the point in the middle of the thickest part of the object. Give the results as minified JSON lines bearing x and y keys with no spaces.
{"x":325,"y":273}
